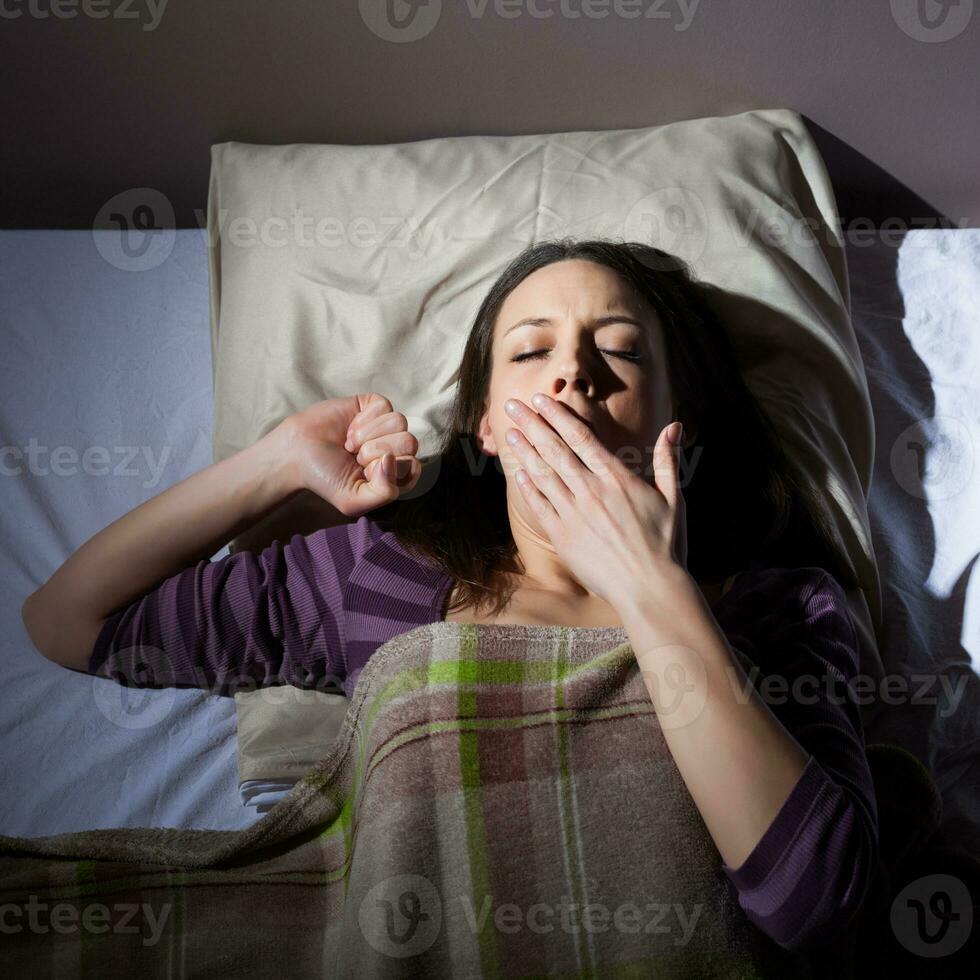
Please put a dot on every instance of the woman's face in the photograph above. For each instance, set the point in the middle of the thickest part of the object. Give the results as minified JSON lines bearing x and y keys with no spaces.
{"x":601,"y":355}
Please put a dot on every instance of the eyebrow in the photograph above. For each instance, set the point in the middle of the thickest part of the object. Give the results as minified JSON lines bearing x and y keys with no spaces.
{"x":543,"y":321}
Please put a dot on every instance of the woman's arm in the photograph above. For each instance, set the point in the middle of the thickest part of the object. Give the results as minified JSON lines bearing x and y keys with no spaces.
{"x":179,"y":527}
{"x":785,"y":789}
{"x":737,"y":759}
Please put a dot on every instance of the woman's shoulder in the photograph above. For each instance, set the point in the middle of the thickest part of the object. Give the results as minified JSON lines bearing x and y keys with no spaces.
{"x":355,"y":537}
{"x":370,"y":550}
{"x":330,"y":556}
{"x":796,"y":579}
{"x":777,"y":593}
{"x":803,"y":606}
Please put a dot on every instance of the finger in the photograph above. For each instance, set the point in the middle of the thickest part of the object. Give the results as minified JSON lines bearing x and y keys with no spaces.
{"x":399,"y":443}
{"x":376,"y":398}
{"x":380,"y":486}
{"x":402,"y":470}
{"x":666,"y":464}
{"x":409,"y":472}
{"x":369,"y":407}
{"x":541,"y":507}
{"x":564,"y":440}
{"x":551,"y":446}
{"x":393,"y":473}
{"x":546,"y":480}
{"x":372,"y":426}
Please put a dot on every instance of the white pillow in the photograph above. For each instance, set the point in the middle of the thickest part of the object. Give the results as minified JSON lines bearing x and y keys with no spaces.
{"x":345,"y":269}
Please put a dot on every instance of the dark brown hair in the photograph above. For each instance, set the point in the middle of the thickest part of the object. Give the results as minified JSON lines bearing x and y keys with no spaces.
{"x":745,"y":499}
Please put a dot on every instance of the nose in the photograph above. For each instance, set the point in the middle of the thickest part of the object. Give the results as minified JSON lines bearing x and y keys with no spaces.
{"x":572,"y":371}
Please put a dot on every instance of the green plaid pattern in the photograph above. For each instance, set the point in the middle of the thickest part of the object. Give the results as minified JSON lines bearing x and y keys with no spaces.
{"x":501,"y":802}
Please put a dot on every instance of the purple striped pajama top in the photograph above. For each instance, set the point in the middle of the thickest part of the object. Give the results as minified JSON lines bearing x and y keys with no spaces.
{"x":316,"y":608}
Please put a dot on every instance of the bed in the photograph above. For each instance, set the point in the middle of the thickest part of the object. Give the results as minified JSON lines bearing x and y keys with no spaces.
{"x":108,"y":401}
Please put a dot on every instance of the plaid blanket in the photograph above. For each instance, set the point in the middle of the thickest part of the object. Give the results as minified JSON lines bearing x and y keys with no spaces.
{"x":501,"y":802}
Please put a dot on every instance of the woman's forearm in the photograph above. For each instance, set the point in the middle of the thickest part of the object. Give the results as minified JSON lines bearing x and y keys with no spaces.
{"x":736,"y":758}
{"x":172,"y":531}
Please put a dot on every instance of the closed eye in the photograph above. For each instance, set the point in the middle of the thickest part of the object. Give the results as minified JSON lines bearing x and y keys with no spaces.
{"x":532,"y":355}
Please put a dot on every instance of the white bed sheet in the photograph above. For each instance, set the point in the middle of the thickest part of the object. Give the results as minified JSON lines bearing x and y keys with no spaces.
{"x":102,"y":357}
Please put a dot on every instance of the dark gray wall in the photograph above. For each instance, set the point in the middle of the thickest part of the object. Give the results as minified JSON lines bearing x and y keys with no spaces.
{"x":97,"y":106}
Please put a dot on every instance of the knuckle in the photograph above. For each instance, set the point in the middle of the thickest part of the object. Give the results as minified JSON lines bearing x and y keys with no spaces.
{"x":551,"y":449}
{"x":540,"y":469}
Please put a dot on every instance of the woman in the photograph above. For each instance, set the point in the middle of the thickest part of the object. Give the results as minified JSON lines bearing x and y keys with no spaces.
{"x":568,"y":524}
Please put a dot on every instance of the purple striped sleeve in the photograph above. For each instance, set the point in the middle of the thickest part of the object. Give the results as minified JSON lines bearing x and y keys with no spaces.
{"x":242,"y":621}
{"x":813,"y":867}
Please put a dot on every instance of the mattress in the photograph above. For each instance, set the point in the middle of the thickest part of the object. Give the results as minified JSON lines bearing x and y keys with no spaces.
{"x":99,"y":356}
